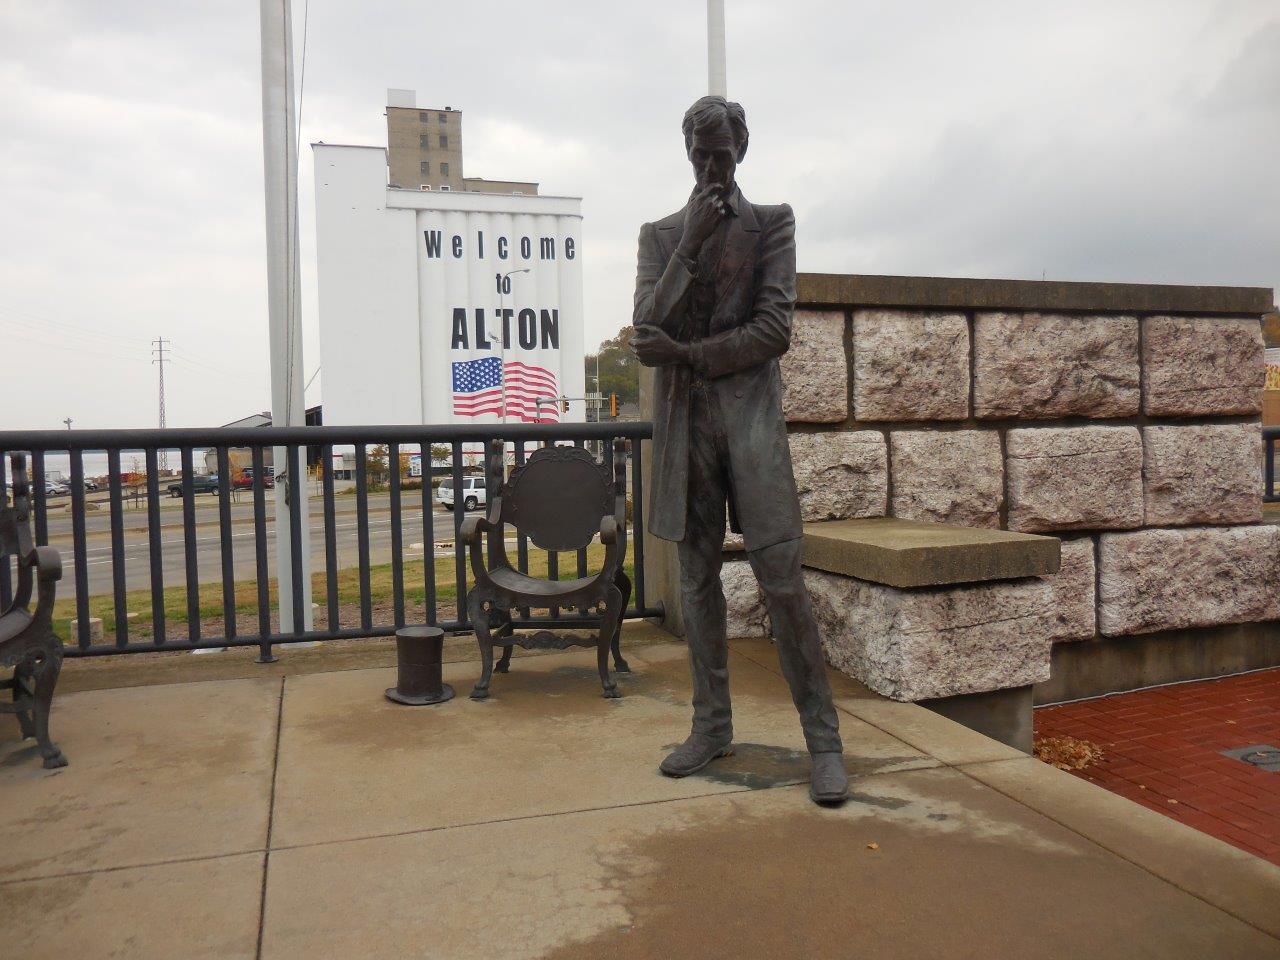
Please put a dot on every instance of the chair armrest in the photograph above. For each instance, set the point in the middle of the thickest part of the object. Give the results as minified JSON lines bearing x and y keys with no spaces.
{"x":472,"y":534}
{"x":472,"y":527}
{"x":609,"y":537}
{"x":48,"y":564}
{"x":620,"y":517}
{"x":608,"y":530}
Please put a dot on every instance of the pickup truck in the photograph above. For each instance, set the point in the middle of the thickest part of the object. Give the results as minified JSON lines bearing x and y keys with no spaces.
{"x":200,"y":483}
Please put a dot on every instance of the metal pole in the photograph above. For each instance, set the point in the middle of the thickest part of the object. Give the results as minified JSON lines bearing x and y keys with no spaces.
{"x":717,"y":81}
{"x":502,"y":293}
{"x":280,"y":172}
{"x":502,"y":371}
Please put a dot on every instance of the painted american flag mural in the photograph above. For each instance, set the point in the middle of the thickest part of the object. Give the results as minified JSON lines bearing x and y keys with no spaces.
{"x":477,"y":390}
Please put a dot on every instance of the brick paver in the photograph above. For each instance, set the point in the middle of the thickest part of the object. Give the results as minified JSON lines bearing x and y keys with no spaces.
{"x":1163,"y":751}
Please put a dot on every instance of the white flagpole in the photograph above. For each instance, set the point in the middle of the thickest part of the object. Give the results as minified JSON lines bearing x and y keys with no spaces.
{"x":280,"y":172}
{"x":717,"y":81}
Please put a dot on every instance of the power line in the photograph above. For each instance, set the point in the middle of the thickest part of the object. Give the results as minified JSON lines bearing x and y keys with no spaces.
{"x":158,"y":357}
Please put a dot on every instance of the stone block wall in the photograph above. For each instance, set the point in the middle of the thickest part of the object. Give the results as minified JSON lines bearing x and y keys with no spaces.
{"x":1123,"y":418}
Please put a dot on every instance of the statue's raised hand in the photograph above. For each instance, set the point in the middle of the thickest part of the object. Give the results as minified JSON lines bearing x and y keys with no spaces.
{"x":701,"y":217}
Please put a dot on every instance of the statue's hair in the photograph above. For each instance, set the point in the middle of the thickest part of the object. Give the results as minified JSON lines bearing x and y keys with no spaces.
{"x":711,"y":112}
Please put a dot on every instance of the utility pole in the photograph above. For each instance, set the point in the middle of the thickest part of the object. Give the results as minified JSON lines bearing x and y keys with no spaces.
{"x":67,"y":421}
{"x":158,"y":358}
{"x":717,"y":81}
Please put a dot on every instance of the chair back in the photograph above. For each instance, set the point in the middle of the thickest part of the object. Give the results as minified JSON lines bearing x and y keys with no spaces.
{"x":558,"y":497}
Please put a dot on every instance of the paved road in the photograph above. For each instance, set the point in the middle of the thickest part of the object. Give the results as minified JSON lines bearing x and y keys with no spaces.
{"x":208,"y":548}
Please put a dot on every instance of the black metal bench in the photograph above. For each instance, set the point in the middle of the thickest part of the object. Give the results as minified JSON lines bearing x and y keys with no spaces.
{"x":27,"y":641}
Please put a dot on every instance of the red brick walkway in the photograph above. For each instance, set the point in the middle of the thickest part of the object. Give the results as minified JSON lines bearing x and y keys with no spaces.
{"x":1162,"y":750}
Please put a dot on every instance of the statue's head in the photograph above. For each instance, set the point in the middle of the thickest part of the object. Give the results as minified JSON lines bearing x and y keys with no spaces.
{"x":715,"y":138}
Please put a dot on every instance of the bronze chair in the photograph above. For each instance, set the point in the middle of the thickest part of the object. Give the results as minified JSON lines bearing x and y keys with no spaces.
{"x":560,"y":499}
{"x":27,"y":640}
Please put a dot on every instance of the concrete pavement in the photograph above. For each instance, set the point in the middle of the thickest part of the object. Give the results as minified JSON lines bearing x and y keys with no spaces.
{"x":299,"y":814}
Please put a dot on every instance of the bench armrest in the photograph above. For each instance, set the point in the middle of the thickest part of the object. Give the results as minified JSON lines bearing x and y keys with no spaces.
{"x":472,"y":534}
{"x":609,"y":536}
{"x":48,"y":564}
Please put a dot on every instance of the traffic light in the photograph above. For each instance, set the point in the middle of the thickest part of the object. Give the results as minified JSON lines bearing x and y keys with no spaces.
{"x":564,"y":404}
{"x":613,"y":405}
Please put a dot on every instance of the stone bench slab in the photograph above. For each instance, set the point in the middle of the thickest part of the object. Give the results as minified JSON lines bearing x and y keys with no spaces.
{"x":910,"y":553}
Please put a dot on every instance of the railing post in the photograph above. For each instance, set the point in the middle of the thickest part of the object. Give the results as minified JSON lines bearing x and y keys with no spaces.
{"x":118,"y":579}
{"x":156,"y":544}
{"x":265,"y":654}
{"x":397,"y":537}
{"x":330,"y":538}
{"x":6,"y":584}
{"x":225,"y":547}
{"x":190,"y":546}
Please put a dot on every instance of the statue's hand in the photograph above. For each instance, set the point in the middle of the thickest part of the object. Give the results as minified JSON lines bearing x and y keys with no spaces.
{"x":701,"y":217}
{"x":654,"y":348}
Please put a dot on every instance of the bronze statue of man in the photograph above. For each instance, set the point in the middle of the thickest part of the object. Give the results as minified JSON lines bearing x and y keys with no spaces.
{"x":715,"y":290}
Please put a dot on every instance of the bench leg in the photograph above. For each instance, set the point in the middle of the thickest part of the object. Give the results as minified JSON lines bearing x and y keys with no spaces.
{"x":624,"y":586}
{"x":480,"y":620}
{"x":46,"y":674}
{"x":608,"y":631}
{"x":504,"y":630}
{"x":22,"y":690}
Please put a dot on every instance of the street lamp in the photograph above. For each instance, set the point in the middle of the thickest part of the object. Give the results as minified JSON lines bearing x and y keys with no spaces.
{"x":502,"y":292}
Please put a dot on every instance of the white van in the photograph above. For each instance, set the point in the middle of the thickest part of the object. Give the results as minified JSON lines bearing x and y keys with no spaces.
{"x":473,"y":493}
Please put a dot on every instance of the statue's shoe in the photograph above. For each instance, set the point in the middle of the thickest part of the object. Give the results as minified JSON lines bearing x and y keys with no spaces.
{"x":828,"y":783}
{"x":694,"y":754}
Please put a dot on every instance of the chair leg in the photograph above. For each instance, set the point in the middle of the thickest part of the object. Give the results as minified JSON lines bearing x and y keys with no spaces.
{"x":612,"y":617}
{"x":46,"y":674}
{"x":624,"y":585}
{"x":22,"y":689}
{"x":480,"y":620}
{"x":504,"y":630}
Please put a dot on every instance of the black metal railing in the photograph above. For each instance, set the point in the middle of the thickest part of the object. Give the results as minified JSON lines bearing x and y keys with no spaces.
{"x":1269,"y":437}
{"x":181,"y":619}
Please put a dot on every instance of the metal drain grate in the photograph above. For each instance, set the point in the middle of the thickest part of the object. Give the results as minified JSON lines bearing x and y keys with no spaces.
{"x":1260,"y":755}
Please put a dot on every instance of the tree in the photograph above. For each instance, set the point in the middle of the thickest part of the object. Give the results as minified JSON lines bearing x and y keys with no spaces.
{"x":619,"y":368}
{"x":376,"y":464}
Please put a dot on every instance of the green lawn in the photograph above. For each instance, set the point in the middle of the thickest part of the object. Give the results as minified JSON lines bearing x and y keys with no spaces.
{"x":348,"y":582}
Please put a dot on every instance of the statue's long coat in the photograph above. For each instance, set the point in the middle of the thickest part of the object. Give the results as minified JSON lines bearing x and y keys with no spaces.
{"x":755,"y":292}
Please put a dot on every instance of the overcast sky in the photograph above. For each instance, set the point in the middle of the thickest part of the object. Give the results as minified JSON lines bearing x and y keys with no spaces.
{"x":1131,"y":141}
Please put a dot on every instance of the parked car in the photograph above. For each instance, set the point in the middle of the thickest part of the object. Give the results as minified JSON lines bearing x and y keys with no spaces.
{"x":473,"y":493}
{"x":200,"y":483}
{"x":244,"y":479}
{"x":56,"y":488}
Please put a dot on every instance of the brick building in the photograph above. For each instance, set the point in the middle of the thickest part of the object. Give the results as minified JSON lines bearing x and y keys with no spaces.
{"x":424,"y":150}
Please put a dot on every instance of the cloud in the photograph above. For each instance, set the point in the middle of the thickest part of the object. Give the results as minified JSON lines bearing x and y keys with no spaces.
{"x":1092,"y":140}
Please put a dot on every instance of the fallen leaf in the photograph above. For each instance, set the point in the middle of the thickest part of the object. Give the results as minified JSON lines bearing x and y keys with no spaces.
{"x":873,"y":845}
{"x":1067,"y":753}
{"x":1173,"y":801}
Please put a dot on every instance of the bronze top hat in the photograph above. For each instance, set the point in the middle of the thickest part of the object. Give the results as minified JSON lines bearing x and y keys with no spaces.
{"x":419,"y":652}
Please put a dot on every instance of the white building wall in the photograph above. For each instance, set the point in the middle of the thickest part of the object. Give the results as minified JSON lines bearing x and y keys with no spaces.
{"x":388,"y":297}
{"x":368,"y":296}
